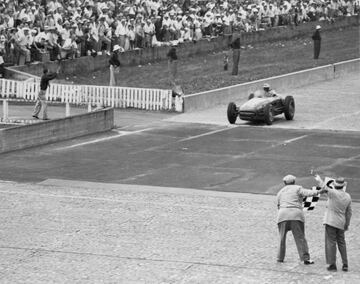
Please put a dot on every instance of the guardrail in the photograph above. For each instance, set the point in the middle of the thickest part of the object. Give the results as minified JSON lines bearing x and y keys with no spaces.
{"x":118,"y":97}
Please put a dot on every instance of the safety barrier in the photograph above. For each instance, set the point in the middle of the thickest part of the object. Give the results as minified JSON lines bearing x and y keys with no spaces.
{"x":281,"y":83}
{"x":7,"y":119}
{"x":117,"y":97}
{"x":55,"y":130}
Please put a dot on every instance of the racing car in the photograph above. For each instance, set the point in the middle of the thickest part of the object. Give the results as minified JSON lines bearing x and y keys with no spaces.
{"x":259,"y":108}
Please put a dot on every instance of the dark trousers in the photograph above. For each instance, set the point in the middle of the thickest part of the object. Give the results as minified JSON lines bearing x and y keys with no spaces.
{"x":236,"y":59}
{"x":298,"y":231}
{"x":335,"y":236}
{"x":317,"y":45}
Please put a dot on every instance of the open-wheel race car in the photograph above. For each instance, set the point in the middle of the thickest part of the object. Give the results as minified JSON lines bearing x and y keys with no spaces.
{"x":260,"y":108}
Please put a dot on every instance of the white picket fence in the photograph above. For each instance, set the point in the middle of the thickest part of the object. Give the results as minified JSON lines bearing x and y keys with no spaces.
{"x":118,"y":97}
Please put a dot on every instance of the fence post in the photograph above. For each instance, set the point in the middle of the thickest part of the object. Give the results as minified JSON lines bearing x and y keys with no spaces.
{"x":5,"y":110}
{"x":67,"y":109}
{"x":179,"y":101}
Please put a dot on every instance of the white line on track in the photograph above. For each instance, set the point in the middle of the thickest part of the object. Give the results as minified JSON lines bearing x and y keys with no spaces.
{"x":338,"y":146}
{"x":120,"y":133}
{"x":206,"y":134}
{"x":295,"y":139}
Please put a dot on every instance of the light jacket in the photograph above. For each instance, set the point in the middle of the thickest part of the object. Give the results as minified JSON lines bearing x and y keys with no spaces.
{"x":289,"y":202}
{"x":338,"y":208}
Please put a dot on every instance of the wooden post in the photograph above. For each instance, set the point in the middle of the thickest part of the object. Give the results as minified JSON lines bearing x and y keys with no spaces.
{"x":67,"y":109}
{"x":5,"y":110}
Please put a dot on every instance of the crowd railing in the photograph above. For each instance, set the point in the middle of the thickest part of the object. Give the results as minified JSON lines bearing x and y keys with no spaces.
{"x":99,"y":96}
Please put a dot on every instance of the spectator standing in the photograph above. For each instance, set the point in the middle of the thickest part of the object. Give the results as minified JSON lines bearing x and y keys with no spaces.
{"x":139,"y":33}
{"x":104,"y":35}
{"x":114,"y":64}
{"x":291,"y":218}
{"x":41,"y":99}
{"x":23,"y":42}
{"x":121,"y":31}
{"x":235,"y":45}
{"x":317,"y":42}
{"x":172,"y":63}
{"x":2,"y":68}
{"x":149,"y":31}
{"x":52,"y":43}
{"x":131,"y":36}
{"x":336,"y":220}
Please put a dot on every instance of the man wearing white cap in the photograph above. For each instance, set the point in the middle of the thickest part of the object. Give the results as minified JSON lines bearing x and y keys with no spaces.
{"x":336,"y":220}
{"x":114,"y":63}
{"x":23,"y":41}
{"x":291,"y":218}
{"x":317,"y":42}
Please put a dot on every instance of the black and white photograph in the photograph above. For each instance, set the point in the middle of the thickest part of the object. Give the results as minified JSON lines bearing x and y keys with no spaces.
{"x":180,"y":141}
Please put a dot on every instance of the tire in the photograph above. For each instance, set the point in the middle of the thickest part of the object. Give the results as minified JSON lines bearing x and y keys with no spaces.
{"x":232,"y":113}
{"x":269,"y":116}
{"x":251,"y":96}
{"x":289,"y":111}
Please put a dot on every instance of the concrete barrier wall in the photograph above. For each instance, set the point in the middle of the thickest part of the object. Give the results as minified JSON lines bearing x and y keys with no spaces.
{"x":21,"y":137}
{"x":280,"y":83}
{"x":345,"y":67}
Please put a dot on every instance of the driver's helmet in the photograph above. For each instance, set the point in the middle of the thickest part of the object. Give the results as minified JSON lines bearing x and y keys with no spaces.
{"x":266,"y":87}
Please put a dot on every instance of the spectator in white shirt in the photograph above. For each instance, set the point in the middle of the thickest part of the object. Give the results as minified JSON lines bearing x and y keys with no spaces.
{"x":103,"y":30}
{"x":149,"y":31}
{"x":121,"y":31}
{"x":23,"y":42}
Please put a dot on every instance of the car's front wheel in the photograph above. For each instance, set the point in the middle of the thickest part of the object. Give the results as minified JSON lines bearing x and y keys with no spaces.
{"x":289,"y":104}
{"x":269,"y":116}
{"x":232,"y":113}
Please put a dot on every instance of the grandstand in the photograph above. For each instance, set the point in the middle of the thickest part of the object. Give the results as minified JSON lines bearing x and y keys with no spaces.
{"x":40,"y":30}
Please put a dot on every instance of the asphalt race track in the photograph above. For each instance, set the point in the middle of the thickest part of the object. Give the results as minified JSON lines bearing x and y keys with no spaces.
{"x":202,"y":151}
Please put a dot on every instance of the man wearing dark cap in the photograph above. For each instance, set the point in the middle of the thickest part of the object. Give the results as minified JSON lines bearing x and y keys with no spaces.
{"x":336,"y":220}
{"x":291,"y":218}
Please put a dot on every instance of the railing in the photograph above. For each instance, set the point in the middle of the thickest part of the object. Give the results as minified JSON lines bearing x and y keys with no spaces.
{"x":118,"y":97}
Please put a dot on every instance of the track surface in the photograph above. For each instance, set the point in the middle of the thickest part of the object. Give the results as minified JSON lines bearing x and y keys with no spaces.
{"x":166,"y":150}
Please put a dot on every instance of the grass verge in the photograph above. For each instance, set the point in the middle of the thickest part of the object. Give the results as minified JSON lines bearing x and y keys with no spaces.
{"x":263,"y":60}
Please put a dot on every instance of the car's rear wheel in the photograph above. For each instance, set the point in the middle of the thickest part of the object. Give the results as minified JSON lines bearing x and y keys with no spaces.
{"x":232,"y":113}
{"x":289,"y":108}
{"x":251,"y":96}
{"x":269,"y":116}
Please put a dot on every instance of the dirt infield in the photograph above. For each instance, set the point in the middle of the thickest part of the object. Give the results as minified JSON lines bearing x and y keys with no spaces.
{"x":263,"y":60}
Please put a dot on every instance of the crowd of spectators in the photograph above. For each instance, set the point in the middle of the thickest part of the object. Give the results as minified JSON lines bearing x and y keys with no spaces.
{"x":74,"y":28}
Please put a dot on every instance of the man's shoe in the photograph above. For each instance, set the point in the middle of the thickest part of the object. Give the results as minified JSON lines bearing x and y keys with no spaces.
{"x":307,"y":262}
{"x":280,"y":260}
{"x":332,"y":267}
{"x":35,"y":116}
{"x":345,"y":268}
{"x":46,"y":118}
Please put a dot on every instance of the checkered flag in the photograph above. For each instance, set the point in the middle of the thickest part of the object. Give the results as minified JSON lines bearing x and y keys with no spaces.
{"x":310,"y":202}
